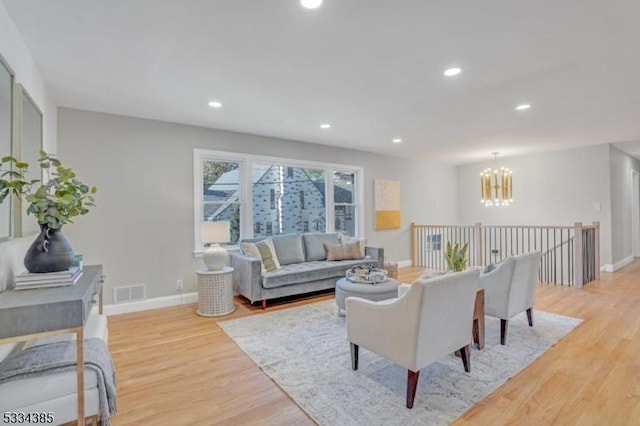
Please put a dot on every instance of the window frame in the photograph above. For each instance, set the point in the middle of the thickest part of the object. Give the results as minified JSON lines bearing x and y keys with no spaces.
{"x":358,"y":201}
{"x":245,"y":185}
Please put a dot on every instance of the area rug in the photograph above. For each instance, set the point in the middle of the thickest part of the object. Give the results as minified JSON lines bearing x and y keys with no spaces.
{"x":306,"y":352}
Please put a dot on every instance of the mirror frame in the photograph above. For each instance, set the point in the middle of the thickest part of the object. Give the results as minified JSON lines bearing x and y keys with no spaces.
{"x":21,"y":98}
{"x":9,"y":200}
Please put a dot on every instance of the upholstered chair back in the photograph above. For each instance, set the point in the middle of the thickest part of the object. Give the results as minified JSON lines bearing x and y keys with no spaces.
{"x":510,"y":287}
{"x":445,"y":316}
{"x":523,"y":283}
{"x":430,"y":320}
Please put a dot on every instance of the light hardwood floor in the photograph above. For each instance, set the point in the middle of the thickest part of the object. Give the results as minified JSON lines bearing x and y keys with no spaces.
{"x":176,"y":368}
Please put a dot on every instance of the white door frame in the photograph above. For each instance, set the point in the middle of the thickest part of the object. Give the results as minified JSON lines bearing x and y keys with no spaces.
{"x":635,"y":212}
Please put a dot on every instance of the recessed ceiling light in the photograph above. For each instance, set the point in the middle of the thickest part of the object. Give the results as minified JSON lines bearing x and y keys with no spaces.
{"x":523,"y":107}
{"x":325,"y":126}
{"x":450,"y":72}
{"x":311,"y":4}
{"x":396,"y":140}
{"x":215,"y":104}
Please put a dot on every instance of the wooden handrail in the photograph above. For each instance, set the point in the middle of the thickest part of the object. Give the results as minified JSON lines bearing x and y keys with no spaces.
{"x":557,"y":246}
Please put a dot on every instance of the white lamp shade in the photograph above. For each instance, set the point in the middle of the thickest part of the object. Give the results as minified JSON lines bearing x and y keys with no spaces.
{"x":215,"y":232}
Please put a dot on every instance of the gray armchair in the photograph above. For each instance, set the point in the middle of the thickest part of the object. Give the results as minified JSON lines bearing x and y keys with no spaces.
{"x":430,"y":319}
{"x":510,"y":288}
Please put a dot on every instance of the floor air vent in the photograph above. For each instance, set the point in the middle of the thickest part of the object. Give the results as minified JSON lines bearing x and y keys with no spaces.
{"x":130,"y":293}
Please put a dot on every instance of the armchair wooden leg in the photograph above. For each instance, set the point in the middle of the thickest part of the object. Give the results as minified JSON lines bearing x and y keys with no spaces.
{"x":264,"y":303}
{"x":503,"y":330}
{"x":412,"y":385}
{"x":530,"y":316}
{"x":354,"y":355}
{"x":465,"y":354}
{"x":478,"y":332}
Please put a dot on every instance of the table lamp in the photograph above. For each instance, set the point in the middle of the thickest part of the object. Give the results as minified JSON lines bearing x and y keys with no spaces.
{"x":212,"y":233}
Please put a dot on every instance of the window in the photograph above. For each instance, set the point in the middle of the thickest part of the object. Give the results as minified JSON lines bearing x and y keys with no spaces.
{"x":221,"y":193}
{"x":434,"y":242}
{"x":263,"y":196}
{"x":344,"y":201}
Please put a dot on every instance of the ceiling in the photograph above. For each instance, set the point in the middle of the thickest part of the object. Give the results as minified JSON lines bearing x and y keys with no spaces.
{"x":371,"y":68}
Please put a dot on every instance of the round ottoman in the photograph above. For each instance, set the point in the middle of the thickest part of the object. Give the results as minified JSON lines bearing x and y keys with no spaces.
{"x":385,"y":290}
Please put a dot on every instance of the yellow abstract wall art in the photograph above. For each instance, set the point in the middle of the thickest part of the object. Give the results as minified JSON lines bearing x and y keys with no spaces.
{"x":387,"y":204}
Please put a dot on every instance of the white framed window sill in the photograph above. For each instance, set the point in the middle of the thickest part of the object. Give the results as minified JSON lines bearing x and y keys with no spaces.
{"x":230,"y":249}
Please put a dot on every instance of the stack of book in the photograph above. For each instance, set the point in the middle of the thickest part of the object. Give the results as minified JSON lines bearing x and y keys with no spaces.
{"x":27,"y":280}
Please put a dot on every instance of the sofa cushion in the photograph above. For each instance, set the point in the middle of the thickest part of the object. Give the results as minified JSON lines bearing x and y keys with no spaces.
{"x":297,"y":273}
{"x":314,"y":244}
{"x":346,"y":251}
{"x":289,"y":248}
{"x":264,"y":251}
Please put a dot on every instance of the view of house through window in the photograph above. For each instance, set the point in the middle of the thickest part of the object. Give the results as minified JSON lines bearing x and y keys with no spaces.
{"x":281,"y":198}
{"x":221,"y":194}
{"x":285,"y":197}
{"x":344,"y":202}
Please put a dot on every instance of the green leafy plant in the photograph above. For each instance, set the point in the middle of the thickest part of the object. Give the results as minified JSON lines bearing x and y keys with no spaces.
{"x":12,"y":178}
{"x":61,"y":197}
{"x":54,"y":201}
{"x":456,"y":256}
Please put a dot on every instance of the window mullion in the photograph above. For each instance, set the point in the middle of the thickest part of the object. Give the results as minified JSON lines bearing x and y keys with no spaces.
{"x":329,"y":197}
{"x":246,"y":224}
{"x":359,"y":188}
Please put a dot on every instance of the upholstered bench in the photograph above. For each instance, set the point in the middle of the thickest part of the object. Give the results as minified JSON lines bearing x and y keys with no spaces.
{"x":55,"y":393}
{"x":375,"y":292}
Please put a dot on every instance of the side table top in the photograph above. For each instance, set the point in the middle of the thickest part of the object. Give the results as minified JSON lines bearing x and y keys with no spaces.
{"x":224,"y":270}
{"x":40,"y":310}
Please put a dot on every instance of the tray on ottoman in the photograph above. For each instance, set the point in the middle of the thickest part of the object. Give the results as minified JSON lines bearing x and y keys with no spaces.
{"x":366,"y":274}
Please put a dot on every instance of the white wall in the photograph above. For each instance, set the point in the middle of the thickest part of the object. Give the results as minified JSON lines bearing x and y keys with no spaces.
{"x":142,"y":229}
{"x":621,"y":166}
{"x":15,"y":53}
{"x":550,"y":188}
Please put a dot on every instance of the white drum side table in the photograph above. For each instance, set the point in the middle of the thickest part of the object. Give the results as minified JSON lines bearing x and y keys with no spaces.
{"x":215,"y":292}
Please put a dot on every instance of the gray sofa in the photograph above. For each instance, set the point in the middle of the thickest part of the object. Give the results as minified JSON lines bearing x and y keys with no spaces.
{"x":304,"y":267}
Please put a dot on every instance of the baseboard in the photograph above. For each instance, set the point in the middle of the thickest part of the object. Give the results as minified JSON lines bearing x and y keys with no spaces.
{"x":612,"y":268}
{"x":167,"y":301}
{"x":405,"y":263}
{"x":153,"y":303}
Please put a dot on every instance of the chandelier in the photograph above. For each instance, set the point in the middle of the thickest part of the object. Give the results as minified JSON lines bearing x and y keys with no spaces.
{"x":496,"y":187}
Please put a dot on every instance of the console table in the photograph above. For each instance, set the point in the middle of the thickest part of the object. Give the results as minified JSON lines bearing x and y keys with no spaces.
{"x":34,"y":313}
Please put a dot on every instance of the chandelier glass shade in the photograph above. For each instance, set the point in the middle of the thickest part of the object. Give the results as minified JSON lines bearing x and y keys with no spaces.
{"x":496,"y":186}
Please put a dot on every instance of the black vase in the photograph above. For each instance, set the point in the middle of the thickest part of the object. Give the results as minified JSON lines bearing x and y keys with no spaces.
{"x":50,"y":252}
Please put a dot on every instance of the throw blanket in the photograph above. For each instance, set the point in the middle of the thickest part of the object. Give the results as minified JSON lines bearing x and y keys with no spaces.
{"x":61,"y":356}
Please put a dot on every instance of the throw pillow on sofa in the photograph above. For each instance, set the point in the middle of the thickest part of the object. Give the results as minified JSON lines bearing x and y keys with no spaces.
{"x":347,"y":251}
{"x":345,"y":239}
{"x":264,"y":251}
